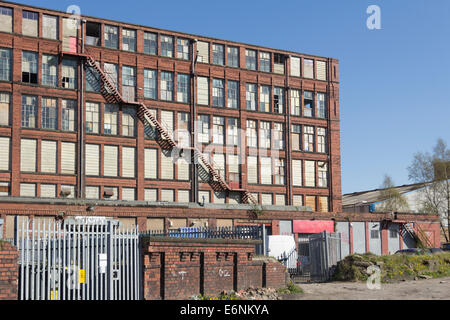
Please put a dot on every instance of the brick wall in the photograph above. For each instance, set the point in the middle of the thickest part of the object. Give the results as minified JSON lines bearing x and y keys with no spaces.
{"x":177,"y":269}
{"x":9,"y":272}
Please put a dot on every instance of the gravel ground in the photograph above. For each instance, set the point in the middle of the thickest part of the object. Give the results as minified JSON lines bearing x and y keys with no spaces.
{"x":431,"y":289}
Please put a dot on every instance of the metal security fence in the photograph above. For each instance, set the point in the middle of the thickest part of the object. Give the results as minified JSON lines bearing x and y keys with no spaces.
{"x":78,"y":259}
{"x":245,"y":232}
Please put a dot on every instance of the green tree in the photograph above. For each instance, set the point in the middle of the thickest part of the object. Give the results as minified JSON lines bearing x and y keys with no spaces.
{"x":433,"y":170}
{"x":393,"y":201}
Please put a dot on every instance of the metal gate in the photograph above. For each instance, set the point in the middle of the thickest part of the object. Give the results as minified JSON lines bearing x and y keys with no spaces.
{"x":78,"y":259}
{"x":325,"y":252}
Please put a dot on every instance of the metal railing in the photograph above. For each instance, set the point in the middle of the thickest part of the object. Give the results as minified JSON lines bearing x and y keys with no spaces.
{"x":245,"y":233}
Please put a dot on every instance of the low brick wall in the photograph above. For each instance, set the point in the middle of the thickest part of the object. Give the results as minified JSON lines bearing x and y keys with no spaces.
{"x":179,"y":268}
{"x":9,"y":272}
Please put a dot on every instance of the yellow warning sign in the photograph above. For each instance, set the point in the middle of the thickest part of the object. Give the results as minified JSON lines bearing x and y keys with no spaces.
{"x":54,"y":295}
{"x":82,"y":276}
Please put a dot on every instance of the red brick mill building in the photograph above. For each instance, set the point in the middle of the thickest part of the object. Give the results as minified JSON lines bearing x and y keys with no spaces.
{"x":90,"y":117}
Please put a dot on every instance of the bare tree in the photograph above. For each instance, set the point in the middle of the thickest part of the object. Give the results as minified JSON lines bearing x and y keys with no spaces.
{"x":393,"y":201}
{"x":433,"y":170}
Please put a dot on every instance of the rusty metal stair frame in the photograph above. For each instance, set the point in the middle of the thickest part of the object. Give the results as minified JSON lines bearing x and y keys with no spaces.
{"x":112,"y":95}
{"x":417,"y":234}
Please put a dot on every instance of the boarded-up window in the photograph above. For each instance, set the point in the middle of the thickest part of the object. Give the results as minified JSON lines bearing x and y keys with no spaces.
{"x":308,"y":68}
{"x":167,"y":121}
{"x":4,"y":190}
{"x":219,"y":164}
{"x":295,"y":67}
{"x":129,"y":194}
{"x":323,"y":204}
{"x":155,"y":224}
{"x":233,"y":168}
{"x":28,"y":155}
{"x":166,"y":165}
{"x":183,"y":169}
{"x":69,"y":33}
{"x":48,"y":191}
{"x":92,"y":160}
{"x":296,"y":137}
{"x":128,"y":162}
{"x":224,"y":223}
{"x":310,"y":201}
{"x":4,"y":154}
{"x":151,"y":164}
{"x":321,"y":72}
{"x":203,"y":51}
{"x":127,"y":223}
{"x":68,"y":158}
{"x":183,"y":196}
{"x":280,"y":199}
{"x":151,"y":195}
{"x":266,"y":170}
{"x":167,"y":195}
{"x":92,"y":192}
{"x":50,"y":27}
{"x":177,"y":223}
{"x":30,"y":23}
{"x":266,"y":199}
{"x":203,"y":91}
{"x":48,"y":156}
{"x":297,"y":172}
{"x":310,"y":173}
{"x":6,"y":17}
{"x":297,"y":200}
{"x":252,"y":169}
{"x":27,"y":190}
{"x":110,"y":161}
{"x":4,"y":108}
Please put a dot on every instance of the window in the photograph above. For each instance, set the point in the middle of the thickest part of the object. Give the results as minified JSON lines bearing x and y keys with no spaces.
{"x":323,"y":174}
{"x":5,"y":64}
{"x":264,"y":135}
{"x":218,"y":54}
{"x":30,"y":23}
{"x":69,"y":73}
{"x":150,"y":163}
{"x":166,"y":86}
{"x":233,"y":57}
{"x":252,"y":170}
{"x":29,"y":111}
{"x":128,"y":121}
{"x":233,"y":94}
{"x":183,"y":130}
{"x":150,"y":77}
{"x":68,"y":115}
{"x":203,"y":128}
{"x":233,"y":168}
{"x":374,"y":234}
{"x":167,"y":46}
{"x":128,"y":40}
{"x":321,"y":70}
{"x":48,"y":156}
{"x":323,"y":204}
{"x":28,"y":155}
{"x":393,"y":233}
{"x":110,"y":119}
{"x":49,"y":114}
{"x":111,"y":37}
{"x":251,"y":96}
{"x":29,"y":67}
{"x":93,"y":82}
{"x":4,"y":109}
{"x":264,"y":99}
{"x":264,"y":61}
{"x":183,"y":49}
{"x":50,"y":27}
{"x":308,"y":68}
{"x":322,"y":140}
{"x":68,"y":157}
{"x":295,"y":66}
{"x":266,"y":170}
{"x":321,"y":106}
{"x":308,"y":103}
{"x":112,"y":71}
{"x":6,"y":19}
{"x":218,"y":93}
{"x":203,"y":52}
{"x":295,"y":102}
{"x":310,"y":173}
{"x":278,"y":63}
{"x":252,"y":136}
{"x":203,"y":91}
{"x":279,"y":173}
{"x":150,"y":43}
{"x":128,"y":162}
{"x":92,"y":153}
{"x":167,"y":166}
{"x":250,"y":59}
{"x":92,"y":117}
{"x":92,"y":33}
{"x":110,"y":161}
{"x":278,"y":136}
{"x":296,"y":137}
{"x":49,"y":70}
{"x":183,"y":88}
{"x":218,"y":130}
{"x":5,"y":143}
{"x":308,"y":138}
{"x":129,"y":83}
{"x":233,"y":132}
{"x":278,"y":100}
{"x":310,"y":201}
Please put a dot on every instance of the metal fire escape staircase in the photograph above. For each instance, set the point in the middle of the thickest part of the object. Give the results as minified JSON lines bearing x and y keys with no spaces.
{"x":417,"y":234}
{"x":112,"y":95}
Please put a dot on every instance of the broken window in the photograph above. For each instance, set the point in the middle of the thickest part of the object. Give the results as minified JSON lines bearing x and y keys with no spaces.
{"x":323,"y":174}
{"x":264,"y":99}
{"x":308,"y":103}
{"x":150,"y":43}
{"x":166,"y":86}
{"x":111,"y":37}
{"x":250,"y":59}
{"x":129,"y":40}
{"x":278,"y":63}
{"x":93,"y":82}
{"x":218,"y":54}
{"x":5,"y":64}
{"x":49,"y":113}
{"x":264,"y":61}
{"x":278,"y":136}
{"x":218,"y":93}
{"x":167,"y":46}
{"x":29,"y":111}
{"x":29,"y":67}
{"x":251,"y":96}
{"x":30,"y":23}
{"x":233,"y":57}
{"x":49,"y":70}
{"x":150,"y":84}
{"x":278,"y":100}
{"x":92,"y":33}
{"x":183,"y":49}
{"x":69,"y":73}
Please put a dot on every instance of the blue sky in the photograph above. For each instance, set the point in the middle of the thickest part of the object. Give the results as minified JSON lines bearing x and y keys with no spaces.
{"x":394,"y":82}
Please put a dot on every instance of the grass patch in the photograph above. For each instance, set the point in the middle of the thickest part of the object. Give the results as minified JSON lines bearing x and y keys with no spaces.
{"x":290,"y":289}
